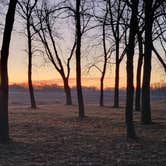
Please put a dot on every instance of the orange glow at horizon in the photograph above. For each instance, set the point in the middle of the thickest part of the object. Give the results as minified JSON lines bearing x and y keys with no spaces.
{"x":86,"y":82}
{"x":47,"y":75}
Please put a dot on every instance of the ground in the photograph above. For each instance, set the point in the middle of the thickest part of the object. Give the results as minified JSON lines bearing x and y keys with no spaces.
{"x":53,"y":135}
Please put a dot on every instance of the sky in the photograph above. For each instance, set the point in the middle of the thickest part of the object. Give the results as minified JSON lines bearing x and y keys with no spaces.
{"x":43,"y":70}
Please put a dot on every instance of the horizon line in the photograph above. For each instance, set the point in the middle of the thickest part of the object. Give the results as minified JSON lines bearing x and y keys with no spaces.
{"x":59,"y":83}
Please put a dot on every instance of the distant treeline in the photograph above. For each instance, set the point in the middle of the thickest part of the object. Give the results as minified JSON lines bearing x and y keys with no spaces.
{"x":155,"y":91}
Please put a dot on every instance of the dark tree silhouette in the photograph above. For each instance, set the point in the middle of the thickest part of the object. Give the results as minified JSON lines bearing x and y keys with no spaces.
{"x":130,"y":54}
{"x":106,"y":52}
{"x":138,"y":75}
{"x":106,"y":56}
{"x":115,"y":27}
{"x":26,"y":10}
{"x":102,"y":23}
{"x":4,"y":124}
{"x":118,"y":32}
{"x":140,"y":30}
{"x":150,"y":10}
{"x":157,"y":33}
{"x":146,"y":108}
{"x":78,"y":59}
{"x":44,"y":27}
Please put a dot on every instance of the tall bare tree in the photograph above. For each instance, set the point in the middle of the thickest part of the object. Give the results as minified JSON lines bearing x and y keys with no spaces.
{"x":146,"y":109}
{"x":118,"y":33}
{"x":158,"y":33}
{"x":44,"y":26}
{"x":26,"y":10}
{"x":4,"y":124}
{"x":130,"y":54}
{"x":151,"y":8}
{"x":140,"y":31}
{"x":106,"y":53}
{"x":78,"y":59}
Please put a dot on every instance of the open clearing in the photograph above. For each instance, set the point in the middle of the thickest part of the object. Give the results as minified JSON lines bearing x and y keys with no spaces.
{"x":52,"y":135}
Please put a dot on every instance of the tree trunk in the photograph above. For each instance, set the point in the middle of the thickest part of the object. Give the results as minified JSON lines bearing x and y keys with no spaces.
{"x":4,"y":124}
{"x":116,"y":93}
{"x":130,"y":87}
{"x":67,"y":92}
{"x":146,"y":108}
{"x":78,"y":61}
{"x":101,"y":92}
{"x":138,"y":81}
{"x":31,"y":90}
{"x":101,"y":102}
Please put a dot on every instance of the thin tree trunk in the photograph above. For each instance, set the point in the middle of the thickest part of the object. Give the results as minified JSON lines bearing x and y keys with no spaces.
{"x":116,"y":93}
{"x":67,"y":92}
{"x":31,"y":90}
{"x":101,"y":92}
{"x":78,"y":61}
{"x":146,"y":107}
{"x":4,"y":124}
{"x":130,"y":87}
{"x":138,"y":81}
{"x":101,"y":102}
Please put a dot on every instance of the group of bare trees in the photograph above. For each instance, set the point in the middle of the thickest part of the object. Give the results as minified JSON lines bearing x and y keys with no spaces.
{"x":151,"y":10}
{"x":135,"y":24}
{"x":128,"y":24}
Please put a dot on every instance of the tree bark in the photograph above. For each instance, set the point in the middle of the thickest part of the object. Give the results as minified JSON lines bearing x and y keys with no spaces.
{"x":138,"y":80}
{"x":78,"y":61}
{"x":101,"y":102}
{"x":116,"y":92}
{"x":130,"y":87}
{"x":31,"y":90}
{"x":146,"y":107}
{"x":67,"y":92}
{"x":4,"y":124}
{"x":101,"y":91}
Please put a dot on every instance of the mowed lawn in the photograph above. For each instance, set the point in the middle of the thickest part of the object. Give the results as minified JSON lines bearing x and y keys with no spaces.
{"x":53,"y":135}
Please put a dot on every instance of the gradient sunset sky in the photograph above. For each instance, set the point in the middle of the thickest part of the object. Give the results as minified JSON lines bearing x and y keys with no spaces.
{"x":45,"y":71}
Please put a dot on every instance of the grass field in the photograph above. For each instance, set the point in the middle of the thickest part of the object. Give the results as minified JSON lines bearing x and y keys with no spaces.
{"x":52,"y":135}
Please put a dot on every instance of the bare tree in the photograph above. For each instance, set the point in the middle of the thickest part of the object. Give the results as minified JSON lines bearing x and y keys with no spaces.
{"x":82,"y":19}
{"x":158,"y":35}
{"x":25,"y":11}
{"x":118,"y":32}
{"x":140,"y":31}
{"x":106,"y":55}
{"x":78,"y":59}
{"x":151,"y":7}
{"x":138,"y":75}
{"x":130,"y":54}
{"x":4,"y":124}
{"x":46,"y":17}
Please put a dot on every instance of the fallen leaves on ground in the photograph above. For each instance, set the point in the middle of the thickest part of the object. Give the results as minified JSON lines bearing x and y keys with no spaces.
{"x":55,"y":136}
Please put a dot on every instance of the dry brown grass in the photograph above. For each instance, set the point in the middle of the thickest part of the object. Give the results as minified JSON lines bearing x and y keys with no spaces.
{"x":52,"y":135}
